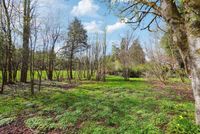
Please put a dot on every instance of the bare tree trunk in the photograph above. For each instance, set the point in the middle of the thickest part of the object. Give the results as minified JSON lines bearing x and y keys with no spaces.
{"x":26,"y":36}
{"x":3,"y":81}
{"x":104,"y":56}
{"x":195,"y":57}
{"x":70,"y":66}
{"x":9,"y":36}
{"x":50,"y":69}
{"x":68,"y":75}
{"x":189,"y":40}
{"x":40,"y":79}
{"x":193,"y":33}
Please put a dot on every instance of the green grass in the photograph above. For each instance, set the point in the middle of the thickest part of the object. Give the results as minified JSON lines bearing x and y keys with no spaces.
{"x":63,"y":74}
{"x":113,"y":107}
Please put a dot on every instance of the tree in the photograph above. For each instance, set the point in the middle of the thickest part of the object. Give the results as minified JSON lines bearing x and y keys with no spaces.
{"x":50,"y":36}
{"x":104,"y":55}
{"x":183,"y":17}
{"x":124,"y":57}
{"x":2,"y":52}
{"x":33,"y":41}
{"x":2,"y":62}
{"x":123,"y":53}
{"x":172,"y":51}
{"x":76,"y":42}
{"x":26,"y":38}
{"x":160,"y":65}
{"x":8,"y":38}
{"x":137,"y":54}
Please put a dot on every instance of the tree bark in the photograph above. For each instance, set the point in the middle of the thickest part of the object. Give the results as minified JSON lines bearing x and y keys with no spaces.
{"x":195,"y":61}
{"x":193,"y":32}
{"x":26,"y":36}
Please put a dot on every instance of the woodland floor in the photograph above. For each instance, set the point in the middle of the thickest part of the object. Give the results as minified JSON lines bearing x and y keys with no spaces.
{"x":113,"y":107}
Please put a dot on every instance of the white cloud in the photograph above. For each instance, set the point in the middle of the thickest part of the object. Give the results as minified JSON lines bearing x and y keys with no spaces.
{"x":116,"y":26}
{"x":93,"y":27}
{"x":85,"y":8}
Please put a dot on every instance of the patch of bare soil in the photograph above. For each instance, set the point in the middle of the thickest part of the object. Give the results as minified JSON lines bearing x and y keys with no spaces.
{"x":16,"y":127}
{"x":25,"y":86}
{"x":63,"y":86}
{"x":180,"y":89}
{"x":55,"y":132}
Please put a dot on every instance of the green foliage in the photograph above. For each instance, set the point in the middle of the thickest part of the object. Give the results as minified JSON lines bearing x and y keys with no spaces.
{"x":42,"y":124}
{"x":77,"y":39}
{"x":138,"y":71}
{"x":5,"y":121}
{"x":68,"y":119}
{"x":182,"y":125}
{"x":137,"y":53}
{"x":94,"y":128}
{"x":11,"y":106}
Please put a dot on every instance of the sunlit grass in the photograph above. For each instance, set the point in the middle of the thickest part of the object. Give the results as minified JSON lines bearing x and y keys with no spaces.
{"x":115,"y":106}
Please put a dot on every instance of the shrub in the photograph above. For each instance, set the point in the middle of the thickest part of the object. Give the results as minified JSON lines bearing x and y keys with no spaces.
{"x":138,"y":71}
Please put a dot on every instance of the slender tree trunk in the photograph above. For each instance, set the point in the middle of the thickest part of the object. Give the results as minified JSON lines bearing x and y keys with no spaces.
{"x":104,"y":56}
{"x":40,"y":79}
{"x":9,"y":37}
{"x":68,"y":75}
{"x":50,"y":70}
{"x":3,"y":82}
{"x":32,"y":70}
{"x":71,"y":66}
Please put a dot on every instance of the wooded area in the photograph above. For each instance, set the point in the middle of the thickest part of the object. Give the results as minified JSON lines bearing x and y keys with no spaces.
{"x":64,"y":80}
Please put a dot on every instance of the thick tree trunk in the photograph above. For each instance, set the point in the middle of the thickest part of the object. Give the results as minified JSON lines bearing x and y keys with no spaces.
{"x":51,"y":63}
{"x":187,"y":37}
{"x":195,"y":61}
{"x":193,"y":32}
{"x":26,"y":35}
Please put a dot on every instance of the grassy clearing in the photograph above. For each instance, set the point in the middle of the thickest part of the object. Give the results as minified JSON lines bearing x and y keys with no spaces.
{"x":115,"y":106}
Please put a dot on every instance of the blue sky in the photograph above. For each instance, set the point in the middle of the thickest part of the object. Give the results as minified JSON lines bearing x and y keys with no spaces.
{"x":94,"y":15}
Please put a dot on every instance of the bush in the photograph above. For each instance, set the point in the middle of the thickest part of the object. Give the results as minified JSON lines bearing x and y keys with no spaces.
{"x":137,"y":71}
